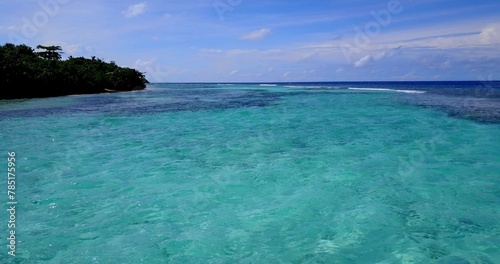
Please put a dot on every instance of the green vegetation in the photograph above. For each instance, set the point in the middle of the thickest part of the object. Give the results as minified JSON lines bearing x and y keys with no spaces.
{"x":25,"y":73}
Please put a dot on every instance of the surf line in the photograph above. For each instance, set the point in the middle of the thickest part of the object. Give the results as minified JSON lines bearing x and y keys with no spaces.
{"x":386,"y":90}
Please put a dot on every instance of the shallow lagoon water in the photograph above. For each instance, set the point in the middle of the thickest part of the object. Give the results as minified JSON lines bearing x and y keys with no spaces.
{"x":292,"y":173}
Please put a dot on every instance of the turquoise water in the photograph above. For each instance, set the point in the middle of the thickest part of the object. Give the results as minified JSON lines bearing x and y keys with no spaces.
{"x":245,"y":173}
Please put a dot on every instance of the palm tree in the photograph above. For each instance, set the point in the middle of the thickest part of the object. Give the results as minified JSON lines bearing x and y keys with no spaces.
{"x":50,"y":52}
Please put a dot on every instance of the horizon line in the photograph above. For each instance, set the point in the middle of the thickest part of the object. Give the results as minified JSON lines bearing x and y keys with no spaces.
{"x":282,"y":82}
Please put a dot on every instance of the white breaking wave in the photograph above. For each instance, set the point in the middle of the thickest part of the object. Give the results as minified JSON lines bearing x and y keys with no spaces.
{"x":312,"y":87}
{"x":388,"y":90}
{"x":263,"y":84}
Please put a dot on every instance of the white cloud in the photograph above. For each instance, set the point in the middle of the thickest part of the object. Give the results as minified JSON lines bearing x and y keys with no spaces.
{"x":135,"y":10}
{"x":89,"y":49}
{"x":490,"y":34}
{"x":67,"y":48}
{"x":145,"y":63}
{"x":368,"y":59}
{"x":256,"y":35}
{"x":156,"y":72}
{"x":412,"y":75}
{"x":233,"y":72}
{"x":5,"y":29}
{"x":363,"y":61}
{"x":457,"y":51}
{"x":479,"y":40}
{"x":211,"y":50}
{"x":380,"y":55}
{"x":72,"y":48}
{"x":153,"y":70}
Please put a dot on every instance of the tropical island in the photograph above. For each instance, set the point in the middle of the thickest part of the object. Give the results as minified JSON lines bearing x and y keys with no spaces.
{"x":29,"y":73}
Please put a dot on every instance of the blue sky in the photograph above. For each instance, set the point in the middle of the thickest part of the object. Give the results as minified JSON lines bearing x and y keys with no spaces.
{"x":270,"y":41}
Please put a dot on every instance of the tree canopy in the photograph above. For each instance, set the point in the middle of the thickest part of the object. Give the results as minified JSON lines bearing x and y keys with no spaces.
{"x":50,"y":52}
{"x":26,"y":73}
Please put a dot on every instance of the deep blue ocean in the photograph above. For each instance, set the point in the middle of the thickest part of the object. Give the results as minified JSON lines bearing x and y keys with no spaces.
{"x":342,"y":172}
